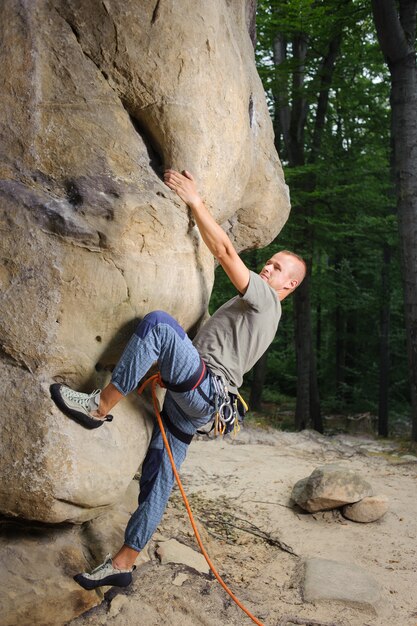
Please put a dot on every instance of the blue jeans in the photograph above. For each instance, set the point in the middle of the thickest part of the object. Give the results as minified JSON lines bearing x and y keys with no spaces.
{"x":160,"y":338}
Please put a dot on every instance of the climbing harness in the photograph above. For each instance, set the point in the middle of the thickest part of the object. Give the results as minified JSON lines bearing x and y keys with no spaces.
{"x":154,"y":381}
{"x":229,"y":408}
{"x":192,"y":383}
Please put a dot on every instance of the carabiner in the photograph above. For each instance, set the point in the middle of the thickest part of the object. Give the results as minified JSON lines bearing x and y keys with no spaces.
{"x":226,"y":412}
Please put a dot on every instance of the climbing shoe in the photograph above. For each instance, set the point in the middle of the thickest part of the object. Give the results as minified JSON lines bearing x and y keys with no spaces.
{"x":78,"y":406}
{"x":105,"y":575}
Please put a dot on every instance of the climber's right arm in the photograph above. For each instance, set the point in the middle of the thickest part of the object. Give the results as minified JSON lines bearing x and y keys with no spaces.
{"x":213,"y":235}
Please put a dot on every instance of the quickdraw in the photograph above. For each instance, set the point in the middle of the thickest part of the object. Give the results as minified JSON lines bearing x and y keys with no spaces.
{"x":229,"y":409}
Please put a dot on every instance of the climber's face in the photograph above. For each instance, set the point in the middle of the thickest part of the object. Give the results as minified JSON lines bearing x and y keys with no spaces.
{"x":283,"y":272}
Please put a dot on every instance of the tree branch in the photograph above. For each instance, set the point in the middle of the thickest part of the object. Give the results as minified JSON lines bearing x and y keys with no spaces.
{"x":326,"y":72}
{"x":299,"y":106}
{"x":281,"y":99}
{"x":408,"y":20}
{"x":391,"y":35}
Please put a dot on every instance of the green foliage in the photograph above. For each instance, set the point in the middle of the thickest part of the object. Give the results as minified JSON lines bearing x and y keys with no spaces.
{"x":344,"y":200}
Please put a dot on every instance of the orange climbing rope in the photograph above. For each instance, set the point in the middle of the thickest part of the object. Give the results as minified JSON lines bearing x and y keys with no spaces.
{"x":156,"y":380}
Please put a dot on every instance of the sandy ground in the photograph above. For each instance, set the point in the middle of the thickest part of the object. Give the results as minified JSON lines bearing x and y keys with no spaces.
{"x":239,"y":490}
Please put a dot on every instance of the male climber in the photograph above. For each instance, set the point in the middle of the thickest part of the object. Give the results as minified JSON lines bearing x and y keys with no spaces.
{"x":198,"y":375}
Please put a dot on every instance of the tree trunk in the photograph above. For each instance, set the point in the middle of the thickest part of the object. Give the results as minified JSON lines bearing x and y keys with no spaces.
{"x":315,"y":408}
{"x":384,"y":355}
{"x":340,"y":340}
{"x":340,"y":369}
{"x":303,"y":342}
{"x":396,"y":33}
{"x":258,"y":381}
{"x":404,"y":124}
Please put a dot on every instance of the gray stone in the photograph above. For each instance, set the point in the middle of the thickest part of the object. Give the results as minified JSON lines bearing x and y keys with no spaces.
{"x":326,"y":580}
{"x":329,"y":487}
{"x":367,"y":510}
{"x":298,"y":494}
{"x":173,"y":551}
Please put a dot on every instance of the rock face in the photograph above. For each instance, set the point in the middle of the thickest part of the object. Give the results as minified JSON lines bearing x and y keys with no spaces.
{"x":36,"y":577}
{"x":329,"y":487}
{"x":96,"y":99}
{"x":37,"y":563}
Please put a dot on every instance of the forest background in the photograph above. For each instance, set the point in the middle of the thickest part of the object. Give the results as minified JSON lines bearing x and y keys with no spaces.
{"x":341,"y":347}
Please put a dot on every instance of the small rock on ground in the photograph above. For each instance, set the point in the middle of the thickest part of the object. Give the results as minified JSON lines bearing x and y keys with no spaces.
{"x":173,"y":551}
{"x":367,"y":510}
{"x":326,"y":580}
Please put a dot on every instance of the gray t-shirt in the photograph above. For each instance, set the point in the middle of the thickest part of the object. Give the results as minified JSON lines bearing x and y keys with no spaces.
{"x":240,"y":331}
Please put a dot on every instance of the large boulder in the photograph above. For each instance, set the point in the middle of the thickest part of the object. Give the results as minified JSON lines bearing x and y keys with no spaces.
{"x":96,"y":99}
{"x":328,"y":487}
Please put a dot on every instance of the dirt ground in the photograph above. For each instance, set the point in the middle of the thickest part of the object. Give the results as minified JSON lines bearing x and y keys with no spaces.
{"x":240,"y":494}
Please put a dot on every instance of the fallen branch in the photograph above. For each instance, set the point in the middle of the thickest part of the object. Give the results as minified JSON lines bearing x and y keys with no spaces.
{"x":220,"y":523}
{"x":257,"y":532}
{"x":227,"y":520}
{"x":213,"y":534}
{"x":285,"y":506}
{"x":303,"y":621}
